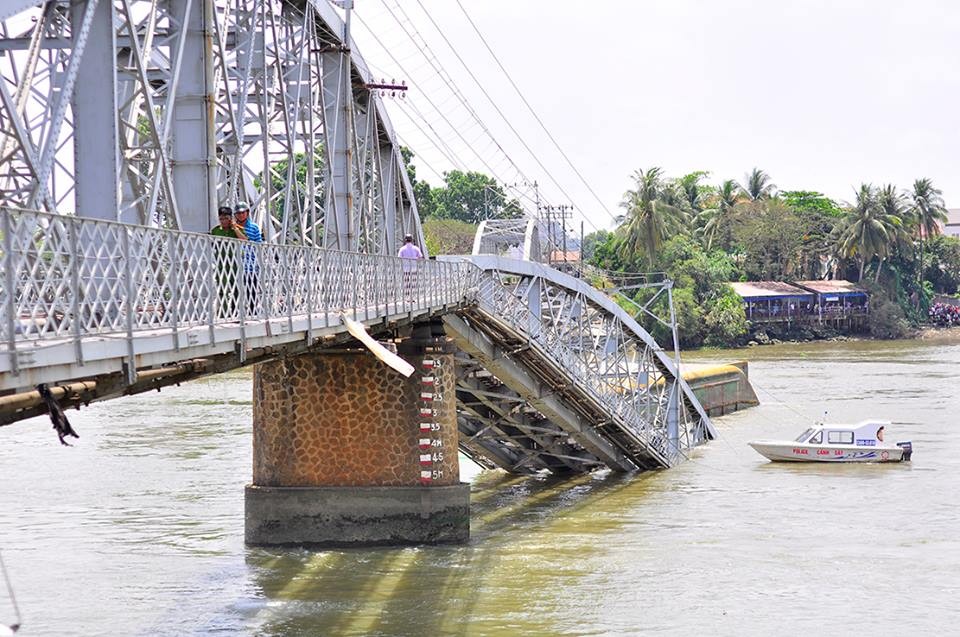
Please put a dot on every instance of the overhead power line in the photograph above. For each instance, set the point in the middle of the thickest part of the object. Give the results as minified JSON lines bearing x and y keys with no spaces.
{"x":530,"y":108}
{"x":492,"y":102}
{"x":426,"y":95}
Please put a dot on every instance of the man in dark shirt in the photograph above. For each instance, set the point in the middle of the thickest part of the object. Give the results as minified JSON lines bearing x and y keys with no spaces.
{"x":226,"y":260}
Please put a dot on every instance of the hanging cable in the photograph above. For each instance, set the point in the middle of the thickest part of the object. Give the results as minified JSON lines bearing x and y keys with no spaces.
{"x":458,"y":94}
{"x":12,"y":628}
{"x":532,"y":112}
{"x":426,"y":96}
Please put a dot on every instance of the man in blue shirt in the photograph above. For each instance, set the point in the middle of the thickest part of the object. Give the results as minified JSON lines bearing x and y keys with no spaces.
{"x":242,"y":214}
{"x":252,"y":233}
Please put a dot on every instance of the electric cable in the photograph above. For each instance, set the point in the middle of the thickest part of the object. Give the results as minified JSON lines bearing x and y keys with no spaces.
{"x":450,"y":83}
{"x":532,"y":112}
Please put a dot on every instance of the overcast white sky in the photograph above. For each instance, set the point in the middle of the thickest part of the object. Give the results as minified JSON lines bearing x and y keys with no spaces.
{"x":822,"y":94}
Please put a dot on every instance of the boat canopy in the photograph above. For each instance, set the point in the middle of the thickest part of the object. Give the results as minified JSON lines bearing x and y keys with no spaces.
{"x":863,"y":433}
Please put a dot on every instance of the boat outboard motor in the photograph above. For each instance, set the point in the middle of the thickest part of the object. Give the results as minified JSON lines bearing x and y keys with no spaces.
{"x":907,"y":449}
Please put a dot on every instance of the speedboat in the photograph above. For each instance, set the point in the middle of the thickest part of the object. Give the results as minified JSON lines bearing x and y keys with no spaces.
{"x":862,"y":442}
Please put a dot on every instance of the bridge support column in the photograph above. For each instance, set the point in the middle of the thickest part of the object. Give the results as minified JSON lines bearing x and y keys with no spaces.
{"x":348,"y":452}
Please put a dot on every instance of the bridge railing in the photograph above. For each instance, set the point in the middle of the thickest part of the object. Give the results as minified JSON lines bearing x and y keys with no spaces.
{"x":67,"y":277}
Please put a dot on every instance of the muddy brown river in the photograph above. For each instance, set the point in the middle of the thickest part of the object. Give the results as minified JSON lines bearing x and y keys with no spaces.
{"x":138,"y":529}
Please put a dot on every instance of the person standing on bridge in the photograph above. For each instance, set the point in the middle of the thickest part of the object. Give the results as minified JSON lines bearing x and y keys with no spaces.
{"x":409,"y":254}
{"x":227,"y":227}
{"x":251,"y":232}
{"x":226,"y":261}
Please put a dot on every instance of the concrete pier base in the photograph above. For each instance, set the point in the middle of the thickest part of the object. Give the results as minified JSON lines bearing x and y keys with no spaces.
{"x":347,"y":451}
{"x":357,"y":516}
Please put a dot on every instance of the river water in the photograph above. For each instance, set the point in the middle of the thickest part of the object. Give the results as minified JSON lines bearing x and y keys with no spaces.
{"x":138,"y":529}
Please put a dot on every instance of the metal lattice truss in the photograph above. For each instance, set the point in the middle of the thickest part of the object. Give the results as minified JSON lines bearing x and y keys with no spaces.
{"x":562,"y":378}
{"x":187,"y":104}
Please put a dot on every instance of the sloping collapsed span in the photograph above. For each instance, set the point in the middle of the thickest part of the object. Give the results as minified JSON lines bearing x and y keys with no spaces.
{"x":598,"y":389}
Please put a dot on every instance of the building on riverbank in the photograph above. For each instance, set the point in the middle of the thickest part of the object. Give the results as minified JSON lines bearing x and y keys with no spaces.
{"x":773,"y":301}
{"x":952,"y":227}
{"x":840,"y":304}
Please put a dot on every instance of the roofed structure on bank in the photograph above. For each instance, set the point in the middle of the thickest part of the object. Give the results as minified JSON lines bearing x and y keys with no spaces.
{"x":770,"y":291}
{"x":952,"y":227}
{"x":570,"y":256}
{"x":835,"y":291}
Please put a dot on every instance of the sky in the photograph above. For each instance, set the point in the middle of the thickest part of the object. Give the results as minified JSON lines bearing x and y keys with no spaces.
{"x":822,"y":95}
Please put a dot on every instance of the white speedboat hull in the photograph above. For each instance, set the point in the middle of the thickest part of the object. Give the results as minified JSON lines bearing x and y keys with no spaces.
{"x":789,"y":451}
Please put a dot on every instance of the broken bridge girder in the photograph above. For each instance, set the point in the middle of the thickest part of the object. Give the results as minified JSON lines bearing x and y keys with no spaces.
{"x":584,"y":364}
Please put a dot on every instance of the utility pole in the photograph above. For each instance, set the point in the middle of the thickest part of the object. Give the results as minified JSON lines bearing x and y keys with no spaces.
{"x":563,"y":221}
{"x":557,"y":214}
{"x":551,"y":233}
{"x":581,"y":246}
{"x":536,"y":197}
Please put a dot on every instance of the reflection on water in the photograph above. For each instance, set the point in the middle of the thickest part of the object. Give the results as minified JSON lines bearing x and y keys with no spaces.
{"x":138,"y":530}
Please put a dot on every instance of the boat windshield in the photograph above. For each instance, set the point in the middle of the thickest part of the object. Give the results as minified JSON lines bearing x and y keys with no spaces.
{"x":804,"y":435}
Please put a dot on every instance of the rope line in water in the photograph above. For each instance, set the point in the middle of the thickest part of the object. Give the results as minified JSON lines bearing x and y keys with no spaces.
{"x":13,"y":598}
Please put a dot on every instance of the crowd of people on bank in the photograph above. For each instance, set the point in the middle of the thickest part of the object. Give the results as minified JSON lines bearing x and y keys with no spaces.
{"x":944,"y":315}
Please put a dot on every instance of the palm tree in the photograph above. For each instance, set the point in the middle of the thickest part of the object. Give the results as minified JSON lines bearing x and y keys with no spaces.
{"x":758,"y":185}
{"x":649,"y":219}
{"x":869,"y":230}
{"x":893,"y":204}
{"x":716,"y":218}
{"x":691,"y":191}
{"x":928,"y":212}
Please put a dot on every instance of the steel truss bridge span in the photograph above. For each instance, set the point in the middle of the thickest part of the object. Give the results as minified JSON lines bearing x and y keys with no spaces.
{"x":557,"y":376}
{"x":553,"y":375}
{"x":124,"y":123}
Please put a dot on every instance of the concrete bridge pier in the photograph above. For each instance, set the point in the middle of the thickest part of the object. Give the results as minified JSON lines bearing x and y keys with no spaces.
{"x":347,"y":451}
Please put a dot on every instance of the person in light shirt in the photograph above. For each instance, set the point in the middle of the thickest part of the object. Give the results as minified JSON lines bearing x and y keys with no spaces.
{"x":410,"y":254}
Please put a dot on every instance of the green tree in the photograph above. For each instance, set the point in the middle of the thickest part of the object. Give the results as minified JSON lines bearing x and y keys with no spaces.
{"x":448,"y":236}
{"x":811,"y":201}
{"x":886,"y":318}
{"x":422,"y":193}
{"x":893,"y":204}
{"x":472,"y":197}
{"x":943,"y":264}
{"x":706,"y":307}
{"x":822,"y":216}
{"x":716,"y":220}
{"x":928,"y":211}
{"x":725,"y":320}
{"x":692,"y":191}
{"x":591,"y":241}
{"x":758,"y":185}
{"x":771,"y":235}
{"x":649,"y":219}
{"x":298,"y":217}
{"x":607,"y":254}
{"x":869,"y":232}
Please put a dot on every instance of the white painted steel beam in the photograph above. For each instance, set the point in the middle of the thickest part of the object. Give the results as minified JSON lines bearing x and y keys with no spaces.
{"x":192,"y":125}
{"x":95,"y":144}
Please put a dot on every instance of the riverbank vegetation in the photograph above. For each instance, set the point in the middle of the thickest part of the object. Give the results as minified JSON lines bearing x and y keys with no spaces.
{"x":702,"y":235}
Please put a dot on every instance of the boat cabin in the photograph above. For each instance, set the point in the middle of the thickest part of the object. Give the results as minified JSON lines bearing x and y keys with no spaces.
{"x":862,"y":434}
